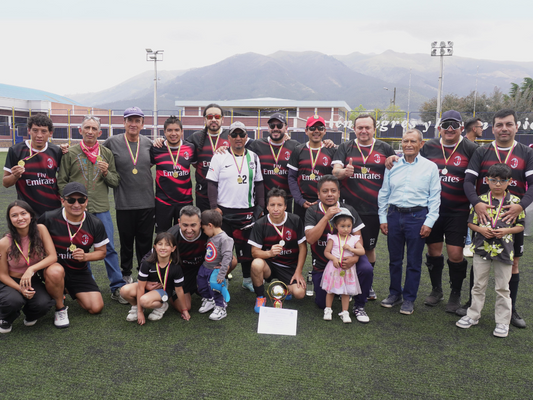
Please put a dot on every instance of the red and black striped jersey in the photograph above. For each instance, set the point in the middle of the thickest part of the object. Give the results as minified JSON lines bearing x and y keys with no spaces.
{"x":453,"y":197}
{"x":92,"y":232}
{"x":192,"y":253}
{"x":273,"y":177}
{"x":173,"y":182}
{"x":301,"y":162}
{"x":264,"y":236}
{"x":38,"y":184}
{"x":361,"y":190}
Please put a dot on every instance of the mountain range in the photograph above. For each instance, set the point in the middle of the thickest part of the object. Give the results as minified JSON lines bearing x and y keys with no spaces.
{"x":358,"y":79}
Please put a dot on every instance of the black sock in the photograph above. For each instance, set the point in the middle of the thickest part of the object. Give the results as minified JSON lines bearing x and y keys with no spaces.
{"x":513,"y":288}
{"x":259,"y":290}
{"x":246,"y":268}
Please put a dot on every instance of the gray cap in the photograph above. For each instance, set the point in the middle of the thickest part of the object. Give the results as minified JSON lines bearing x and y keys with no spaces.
{"x":343,"y":212}
{"x":237,"y":125}
{"x":74,"y":187}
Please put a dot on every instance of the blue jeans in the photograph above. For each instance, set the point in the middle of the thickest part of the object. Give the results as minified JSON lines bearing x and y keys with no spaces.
{"x":404,"y":229}
{"x":111,"y":259}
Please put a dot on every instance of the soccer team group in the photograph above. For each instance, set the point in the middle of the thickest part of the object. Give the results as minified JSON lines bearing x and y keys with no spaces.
{"x":264,"y":200}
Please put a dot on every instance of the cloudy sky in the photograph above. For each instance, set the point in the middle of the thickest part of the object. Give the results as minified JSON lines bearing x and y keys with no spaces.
{"x":70,"y":47}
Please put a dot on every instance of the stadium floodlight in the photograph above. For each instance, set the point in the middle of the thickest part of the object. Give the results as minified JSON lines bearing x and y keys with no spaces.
{"x":155,"y":56}
{"x":440,"y":50}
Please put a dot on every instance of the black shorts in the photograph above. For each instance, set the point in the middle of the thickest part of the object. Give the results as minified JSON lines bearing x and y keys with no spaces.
{"x":166,"y":216}
{"x":189,"y":281}
{"x":453,"y":229}
{"x":518,"y":244}
{"x":79,"y":281}
{"x":283,"y":274}
{"x":370,"y":232}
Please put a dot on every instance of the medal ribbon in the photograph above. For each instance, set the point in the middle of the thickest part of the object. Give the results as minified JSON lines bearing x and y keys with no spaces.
{"x":91,"y":152}
{"x":493,"y":221}
{"x":235,"y":161}
{"x":279,"y":232}
{"x":213,"y":146}
{"x":32,"y":154}
{"x":273,"y":153}
{"x":498,"y":153}
{"x":158,"y":269}
{"x":174,"y":163}
{"x":446,"y":159}
{"x":321,"y":207}
{"x":313,"y":162}
{"x":27,"y":259}
{"x":133,"y":159}
{"x":70,"y":235}
{"x":341,"y":244}
{"x":369,"y":153}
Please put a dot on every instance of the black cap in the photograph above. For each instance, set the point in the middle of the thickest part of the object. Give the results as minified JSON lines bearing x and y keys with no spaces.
{"x":74,"y":187}
{"x":451,"y":115}
{"x":279,"y":116}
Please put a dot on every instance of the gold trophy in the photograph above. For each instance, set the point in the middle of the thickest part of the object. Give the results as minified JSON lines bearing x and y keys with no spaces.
{"x":277,"y":291}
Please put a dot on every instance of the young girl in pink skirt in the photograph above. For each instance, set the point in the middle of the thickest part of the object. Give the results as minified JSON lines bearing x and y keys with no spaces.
{"x":336,"y":279}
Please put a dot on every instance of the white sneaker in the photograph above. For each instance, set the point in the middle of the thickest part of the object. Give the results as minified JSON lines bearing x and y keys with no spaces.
{"x":218,"y":314}
{"x":247,"y":284}
{"x":157,"y":314}
{"x":207,"y":305}
{"x":466,"y":322}
{"x":345,"y":316}
{"x":61,"y":319}
{"x":501,"y":330}
{"x":361,"y":315}
{"x":467,"y":251}
{"x":128,"y":279}
{"x":29,"y":323}
{"x":132,"y":314}
{"x":327,"y":314}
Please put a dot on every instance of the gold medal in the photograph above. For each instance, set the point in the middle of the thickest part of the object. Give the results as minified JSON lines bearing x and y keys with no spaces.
{"x":175,"y":174}
{"x":134,"y":171}
{"x":239,"y":179}
{"x":342,"y":273}
{"x":364,"y":170}
{"x":312,"y":177}
{"x":99,"y":158}
{"x":72,"y":247}
{"x":276,"y":170}
{"x":21,"y":163}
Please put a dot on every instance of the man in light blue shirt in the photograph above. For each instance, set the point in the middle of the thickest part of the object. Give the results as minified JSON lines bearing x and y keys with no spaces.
{"x":408,"y":202}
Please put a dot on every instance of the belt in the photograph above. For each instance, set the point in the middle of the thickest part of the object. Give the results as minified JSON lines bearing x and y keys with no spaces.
{"x":407,"y":210}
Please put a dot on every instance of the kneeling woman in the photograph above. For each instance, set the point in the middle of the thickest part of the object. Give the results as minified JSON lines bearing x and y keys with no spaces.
{"x":159,"y":276}
{"x":26,"y":249}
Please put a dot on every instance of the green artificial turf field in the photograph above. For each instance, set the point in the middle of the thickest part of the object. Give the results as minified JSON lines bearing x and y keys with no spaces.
{"x":421,"y":356}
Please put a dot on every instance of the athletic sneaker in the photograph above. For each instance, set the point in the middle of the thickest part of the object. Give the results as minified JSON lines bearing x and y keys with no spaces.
{"x":434,"y":298}
{"x":5,"y":327}
{"x":259,"y":302}
{"x":391,"y":301}
{"x":345,"y":316}
{"x":466,"y":322}
{"x":361,"y":315}
{"x":327,"y":314}
{"x":29,"y":323}
{"x":372,"y":294}
{"x":501,"y":330}
{"x":517,"y":320}
{"x":128,"y":279}
{"x":117,"y":297}
{"x":467,"y":251}
{"x":247,"y":284}
{"x":157,"y":314}
{"x":407,"y":308}
{"x":207,"y":305}
{"x":218,"y":314}
{"x":61,"y":318}
{"x":132,"y":314}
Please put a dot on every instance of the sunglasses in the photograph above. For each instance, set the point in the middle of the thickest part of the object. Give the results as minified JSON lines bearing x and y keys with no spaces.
{"x":320,"y":128}
{"x":279,"y":125}
{"x":447,"y":124}
{"x":213,"y":116}
{"x":498,"y":181}
{"x":240,"y":134}
{"x":72,"y":200}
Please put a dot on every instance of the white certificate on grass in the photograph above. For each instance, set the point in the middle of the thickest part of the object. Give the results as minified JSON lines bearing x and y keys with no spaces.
{"x":277,"y":321}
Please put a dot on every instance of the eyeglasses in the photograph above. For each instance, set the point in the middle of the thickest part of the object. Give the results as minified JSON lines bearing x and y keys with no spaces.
{"x":72,"y":200}
{"x":479,"y":126}
{"x":498,"y":181}
{"x":279,"y":125}
{"x":240,"y":134}
{"x":321,"y":128}
{"x":447,"y":124}
{"x":213,"y":116}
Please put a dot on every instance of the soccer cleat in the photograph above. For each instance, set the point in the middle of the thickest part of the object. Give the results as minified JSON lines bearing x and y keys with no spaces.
{"x":434,"y":298}
{"x":157,"y":313}
{"x":247,"y":284}
{"x":259,"y":302}
{"x":207,"y":305}
{"x":61,"y":318}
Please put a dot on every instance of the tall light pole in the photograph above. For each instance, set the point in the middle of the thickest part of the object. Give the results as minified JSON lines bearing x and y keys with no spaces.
{"x":440,"y":50}
{"x":155,"y":56}
{"x":393,"y":101}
